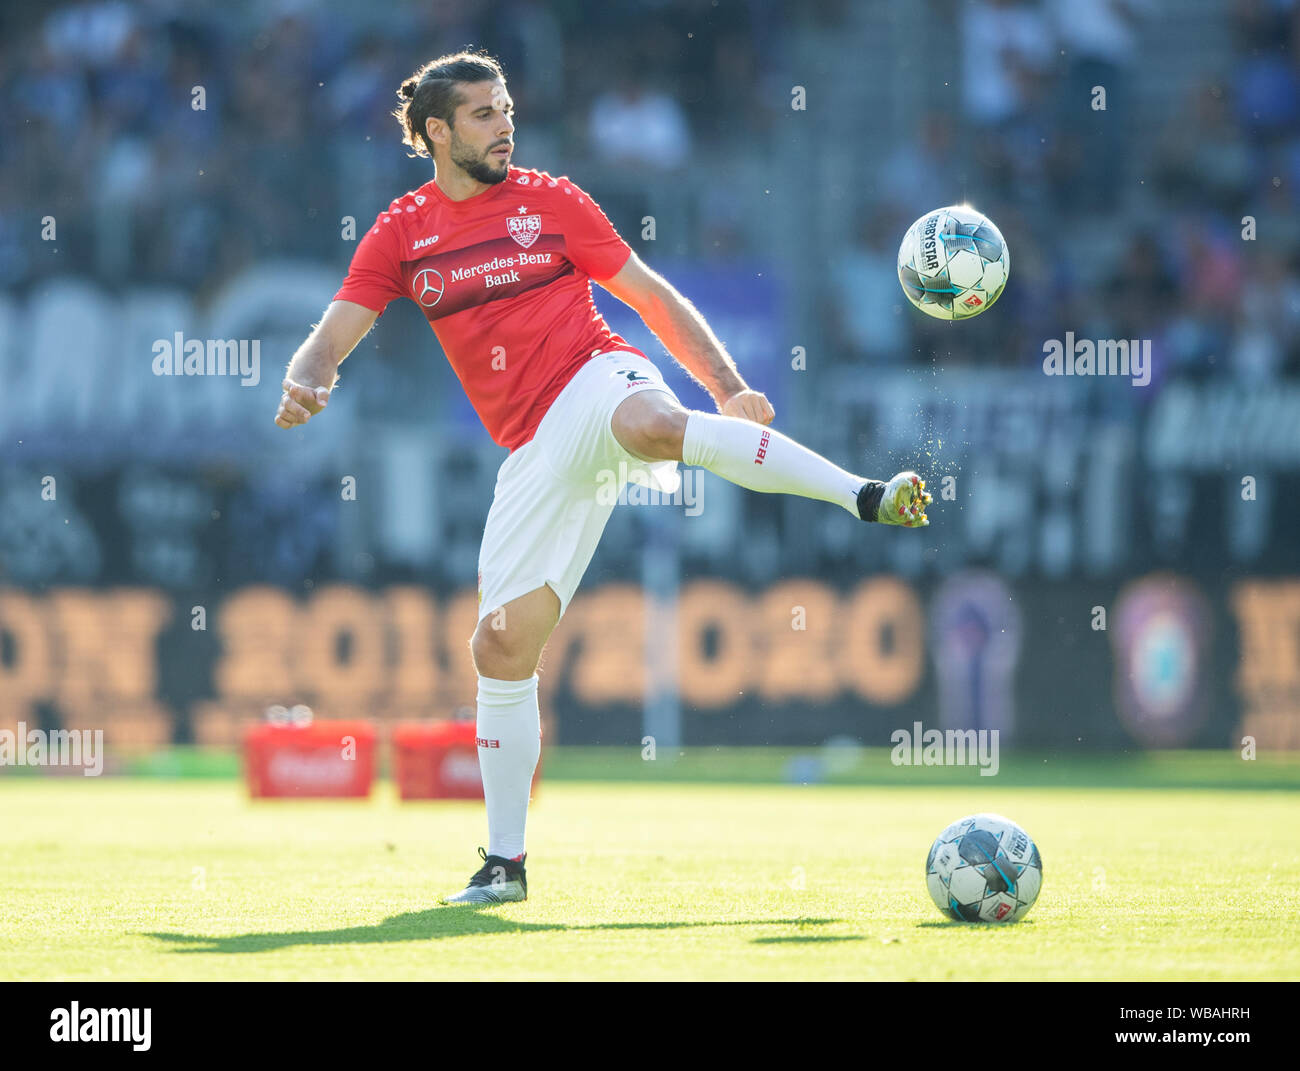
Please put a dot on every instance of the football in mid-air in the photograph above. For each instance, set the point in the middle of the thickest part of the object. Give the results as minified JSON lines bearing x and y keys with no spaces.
{"x":984,"y":869}
{"x":953,"y":263}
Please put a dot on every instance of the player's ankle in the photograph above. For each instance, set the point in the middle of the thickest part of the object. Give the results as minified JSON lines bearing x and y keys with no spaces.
{"x":869,"y":500}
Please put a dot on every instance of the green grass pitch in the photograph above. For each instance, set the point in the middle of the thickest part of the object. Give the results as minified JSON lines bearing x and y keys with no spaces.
{"x":143,"y":878}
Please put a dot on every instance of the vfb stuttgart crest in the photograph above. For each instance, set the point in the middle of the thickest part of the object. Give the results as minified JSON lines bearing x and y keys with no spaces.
{"x":524,"y":229}
{"x":427,"y":286}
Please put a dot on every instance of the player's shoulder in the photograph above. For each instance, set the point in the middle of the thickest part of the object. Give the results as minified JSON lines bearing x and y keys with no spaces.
{"x":415,"y":202}
{"x":554,"y":186}
{"x":404,"y":212}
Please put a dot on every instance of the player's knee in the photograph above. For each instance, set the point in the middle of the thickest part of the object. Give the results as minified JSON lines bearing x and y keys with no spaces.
{"x":655,"y":432}
{"x":501,"y":654}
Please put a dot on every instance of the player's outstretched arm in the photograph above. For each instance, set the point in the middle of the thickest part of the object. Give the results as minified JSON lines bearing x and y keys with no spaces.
{"x":314,"y":369}
{"x":685,"y":334}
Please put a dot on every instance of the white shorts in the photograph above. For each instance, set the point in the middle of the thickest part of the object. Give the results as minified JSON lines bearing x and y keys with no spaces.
{"x":555,"y":494}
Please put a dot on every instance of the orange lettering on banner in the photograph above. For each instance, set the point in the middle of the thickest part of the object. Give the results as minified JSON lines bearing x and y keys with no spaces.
{"x":346,"y":651}
{"x":460,"y":682}
{"x":799,"y":630}
{"x":93,"y":656}
{"x":221,"y":722}
{"x":1268,"y":673}
{"x":256,"y":626}
{"x":559,"y":657}
{"x":413,"y":619}
{"x":129,"y":725}
{"x":109,"y":643}
{"x":339,"y":657}
{"x":610,"y":661}
{"x":882,"y":650}
{"x":713,"y":644}
{"x":1268,"y":613}
{"x":27,"y":670}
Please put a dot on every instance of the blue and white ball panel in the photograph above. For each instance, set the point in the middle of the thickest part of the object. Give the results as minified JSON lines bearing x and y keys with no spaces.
{"x":984,"y":868}
{"x":953,"y":263}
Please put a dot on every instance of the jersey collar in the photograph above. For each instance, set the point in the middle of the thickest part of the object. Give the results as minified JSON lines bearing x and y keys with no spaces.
{"x":432,"y":189}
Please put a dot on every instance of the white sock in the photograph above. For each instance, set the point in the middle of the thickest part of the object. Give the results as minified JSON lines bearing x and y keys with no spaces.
{"x":765,"y":460}
{"x":509,"y":743}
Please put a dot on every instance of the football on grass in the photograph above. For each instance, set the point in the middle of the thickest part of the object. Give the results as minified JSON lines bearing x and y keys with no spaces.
{"x":984,"y":869}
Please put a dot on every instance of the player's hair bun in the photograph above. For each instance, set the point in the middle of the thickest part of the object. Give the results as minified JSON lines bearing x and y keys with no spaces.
{"x":408,"y":88}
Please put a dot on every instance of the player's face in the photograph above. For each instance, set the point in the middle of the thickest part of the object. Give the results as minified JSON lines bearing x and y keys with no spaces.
{"x":482,"y":138}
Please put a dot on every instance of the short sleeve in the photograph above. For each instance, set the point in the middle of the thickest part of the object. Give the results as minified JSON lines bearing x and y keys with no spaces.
{"x":374,"y":277}
{"x":590,"y":240}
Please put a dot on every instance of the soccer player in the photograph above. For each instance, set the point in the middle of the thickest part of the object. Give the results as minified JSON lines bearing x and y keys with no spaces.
{"x":500,"y":259}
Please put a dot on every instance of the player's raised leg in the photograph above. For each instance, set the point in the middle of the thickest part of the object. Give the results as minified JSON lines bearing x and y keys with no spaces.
{"x":653,"y":426}
{"x":507,"y":648}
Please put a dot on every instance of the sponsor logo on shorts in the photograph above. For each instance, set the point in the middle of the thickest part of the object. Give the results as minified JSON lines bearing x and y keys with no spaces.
{"x":483,"y":742}
{"x":762,"y":448}
{"x":634,"y":379}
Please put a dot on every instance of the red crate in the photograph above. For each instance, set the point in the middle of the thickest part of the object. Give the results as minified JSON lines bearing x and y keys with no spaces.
{"x":309,"y":760}
{"x":439,"y":760}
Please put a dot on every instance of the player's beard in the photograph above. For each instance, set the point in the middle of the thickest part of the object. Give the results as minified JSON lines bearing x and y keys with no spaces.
{"x":479,"y":168}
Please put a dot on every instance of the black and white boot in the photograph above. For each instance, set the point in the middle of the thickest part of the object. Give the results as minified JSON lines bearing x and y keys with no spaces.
{"x":498,"y":881}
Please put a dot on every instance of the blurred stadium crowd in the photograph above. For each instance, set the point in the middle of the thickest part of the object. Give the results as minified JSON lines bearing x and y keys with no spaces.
{"x":294,"y":133}
{"x":183,"y":150}
{"x":294,"y":127}
{"x":1127,"y":211}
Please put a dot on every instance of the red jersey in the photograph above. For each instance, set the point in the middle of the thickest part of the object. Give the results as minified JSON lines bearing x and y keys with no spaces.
{"x":504,"y":279}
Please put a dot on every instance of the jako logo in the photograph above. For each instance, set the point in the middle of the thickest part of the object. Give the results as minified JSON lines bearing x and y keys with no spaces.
{"x":633,"y":378}
{"x":956,"y":747}
{"x":762,"y":448}
{"x":425,"y":241}
{"x":1106,"y":357}
{"x":102,"y":1024}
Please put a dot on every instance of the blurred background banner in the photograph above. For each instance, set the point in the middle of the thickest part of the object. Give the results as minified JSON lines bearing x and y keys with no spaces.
{"x":1110,"y":564}
{"x":794,"y":663}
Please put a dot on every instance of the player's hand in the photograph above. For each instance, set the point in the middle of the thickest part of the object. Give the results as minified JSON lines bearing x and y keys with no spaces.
{"x":299,"y":403}
{"x":749,"y":405}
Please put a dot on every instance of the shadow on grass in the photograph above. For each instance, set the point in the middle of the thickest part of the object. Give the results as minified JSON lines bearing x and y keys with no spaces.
{"x":466,"y":920}
{"x":820,"y":938}
{"x":958,"y":924}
